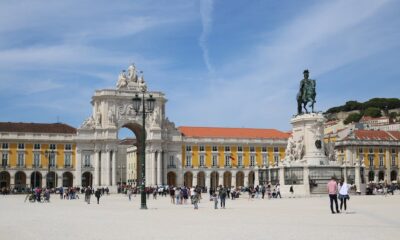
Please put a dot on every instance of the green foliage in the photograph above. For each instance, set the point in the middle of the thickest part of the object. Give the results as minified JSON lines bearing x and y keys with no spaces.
{"x":393,"y":115}
{"x":373,"y":112}
{"x":354,"y":117}
{"x":380,"y":103}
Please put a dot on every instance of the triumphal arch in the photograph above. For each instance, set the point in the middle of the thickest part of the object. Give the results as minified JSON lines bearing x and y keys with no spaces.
{"x":113,"y":109}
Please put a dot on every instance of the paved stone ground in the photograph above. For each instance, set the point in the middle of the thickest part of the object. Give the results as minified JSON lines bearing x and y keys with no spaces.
{"x":369,"y":217}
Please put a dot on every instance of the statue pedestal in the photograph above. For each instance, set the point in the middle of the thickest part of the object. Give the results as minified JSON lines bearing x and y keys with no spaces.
{"x":308,"y":129}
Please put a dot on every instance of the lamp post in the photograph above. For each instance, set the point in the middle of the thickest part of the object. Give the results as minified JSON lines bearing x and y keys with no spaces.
{"x":49,"y":154}
{"x":137,"y":101}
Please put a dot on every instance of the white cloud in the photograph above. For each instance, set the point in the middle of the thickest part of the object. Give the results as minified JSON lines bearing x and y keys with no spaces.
{"x":206,"y":9}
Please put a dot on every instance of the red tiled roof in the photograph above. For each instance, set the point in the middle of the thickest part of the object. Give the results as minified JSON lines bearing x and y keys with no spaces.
{"x":376,"y":135}
{"x":37,"y":127}
{"x":214,"y":132}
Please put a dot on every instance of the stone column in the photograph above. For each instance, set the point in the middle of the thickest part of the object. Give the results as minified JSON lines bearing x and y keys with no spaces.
{"x":159,"y":167}
{"x":164,"y":163}
{"x":78,"y":167}
{"x":194,"y":179}
{"x":60,"y":180}
{"x":220,"y":178}
{"x":12,"y":180}
{"x":387,"y":164}
{"x":114,"y":169}
{"x":233,"y":179}
{"x":106,"y":168}
{"x":43,"y":180}
{"x":344,"y":170}
{"x":246,"y":179}
{"x":154,"y":168}
{"x":28,"y":180}
{"x":96,"y":175}
{"x":208,"y":180}
{"x":357,"y":177}
{"x":256,"y":177}
{"x":281,"y":175}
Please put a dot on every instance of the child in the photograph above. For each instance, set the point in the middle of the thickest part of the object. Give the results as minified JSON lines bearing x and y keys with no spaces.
{"x":215,"y":199}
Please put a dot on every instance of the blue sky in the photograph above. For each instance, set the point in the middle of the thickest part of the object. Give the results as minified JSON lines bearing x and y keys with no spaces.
{"x":220,"y":62}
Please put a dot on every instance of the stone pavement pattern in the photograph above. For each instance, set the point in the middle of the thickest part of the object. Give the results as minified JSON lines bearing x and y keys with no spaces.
{"x":369,"y":217}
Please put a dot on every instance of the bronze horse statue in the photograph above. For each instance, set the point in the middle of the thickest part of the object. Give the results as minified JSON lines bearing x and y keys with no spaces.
{"x":306,"y":94}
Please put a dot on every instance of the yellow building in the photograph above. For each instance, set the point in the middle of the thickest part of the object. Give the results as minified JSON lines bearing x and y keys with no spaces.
{"x":34,"y":154}
{"x":227,"y":156}
{"x":377,"y":151}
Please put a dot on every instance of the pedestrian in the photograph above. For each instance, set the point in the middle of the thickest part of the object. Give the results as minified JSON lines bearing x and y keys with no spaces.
{"x":332,"y":191}
{"x":263,"y":191}
{"x":291,"y":191}
{"x":172,"y":194}
{"x":343,"y":194}
{"x":222,"y":196}
{"x":88,"y":194}
{"x":129,"y":193}
{"x":97,"y":194}
{"x":61,"y":192}
{"x":278,"y":191}
{"x":195,"y":199}
{"x":215,"y":199}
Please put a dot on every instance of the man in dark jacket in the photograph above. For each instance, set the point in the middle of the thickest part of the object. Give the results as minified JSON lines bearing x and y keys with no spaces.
{"x":88,"y":193}
{"x":97,"y":194}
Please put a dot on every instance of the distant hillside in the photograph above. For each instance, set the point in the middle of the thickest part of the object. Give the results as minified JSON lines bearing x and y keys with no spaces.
{"x":353,"y":111}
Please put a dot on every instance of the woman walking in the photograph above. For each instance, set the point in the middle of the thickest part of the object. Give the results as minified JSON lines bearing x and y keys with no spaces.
{"x":343,"y":194}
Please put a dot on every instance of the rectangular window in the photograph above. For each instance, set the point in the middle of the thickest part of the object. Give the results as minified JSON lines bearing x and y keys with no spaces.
{"x":371,"y":160}
{"x":227,"y":149}
{"x":380,"y":161}
{"x":252,"y":149}
{"x":36,"y":160}
{"x":264,"y":149}
{"x":228,"y":161}
{"x":188,"y":148}
{"x":393,"y":160}
{"x":380,"y":150}
{"x":4,"y":145}
{"x":276,"y":159}
{"x":252,"y":160}
{"x":201,"y":148}
{"x":87,"y":160}
{"x":52,"y":158}
{"x":202,"y":161}
{"x":4,"y":159}
{"x":214,"y":160}
{"x":52,"y":147}
{"x":371,"y":150}
{"x":393,"y":150}
{"x":67,"y":160}
{"x":240,"y":161}
{"x":21,"y":146}
{"x":360,"y":150}
{"x":171,"y":161}
{"x":188,"y":161}
{"x":265,"y":159}
{"x":21,"y":158}
{"x":36,"y":146}
{"x":68,"y":147}
{"x":240,"y":149}
{"x":276,"y":149}
{"x":214,"y":148}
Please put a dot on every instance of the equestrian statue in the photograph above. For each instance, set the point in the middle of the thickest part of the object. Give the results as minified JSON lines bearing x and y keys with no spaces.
{"x":306,"y":94}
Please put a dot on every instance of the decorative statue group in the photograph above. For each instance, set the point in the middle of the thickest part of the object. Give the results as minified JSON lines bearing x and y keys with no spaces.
{"x":306,"y":94}
{"x":131,"y":80}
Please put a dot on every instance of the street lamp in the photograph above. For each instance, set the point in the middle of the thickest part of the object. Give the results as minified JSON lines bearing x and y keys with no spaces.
{"x":49,"y":154}
{"x":137,"y":101}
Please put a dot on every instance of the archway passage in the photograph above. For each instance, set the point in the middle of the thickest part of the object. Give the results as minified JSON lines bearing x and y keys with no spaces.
{"x":251,"y":179}
{"x":87,"y":179}
{"x":227,"y":179}
{"x":214,"y":177}
{"x":201,"y":179}
{"x":36,"y":179}
{"x":393,"y":176}
{"x":51,"y":178}
{"x":381,"y":176}
{"x":188,"y":179}
{"x":171,"y":179}
{"x":240,"y":179}
{"x":68,"y":179}
{"x":371,"y":176}
{"x":20,"y":181}
{"x":4,"y":180}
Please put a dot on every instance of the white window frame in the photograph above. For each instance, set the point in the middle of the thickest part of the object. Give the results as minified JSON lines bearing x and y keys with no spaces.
{"x":214,"y":160}
{"x":202,"y":148}
{"x":21,"y":146}
{"x":202,"y":161}
{"x":265,"y":159}
{"x":188,"y":148}
{"x":228,"y":162}
{"x":276,"y":159}
{"x":227,"y":149}
{"x":68,"y":159}
{"x":52,"y":146}
{"x":252,"y":149}
{"x":264,"y":149}
{"x":188,"y":161}
{"x":36,"y":159}
{"x":240,"y":160}
{"x":214,"y":148}
{"x":68,"y":147}
{"x":4,"y":159}
{"x":252,"y":160}
{"x":240,"y":148}
{"x":393,"y":160}
{"x":87,"y":160}
{"x":371,"y":160}
{"x":4,"y":146}
{"x":171,"y":160}
{"x":381,"y":161}
{"x":20,"y":159}
{"x":37,"y":145}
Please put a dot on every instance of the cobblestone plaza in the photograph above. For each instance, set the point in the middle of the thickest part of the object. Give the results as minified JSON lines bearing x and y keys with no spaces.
{"x":369,"y":217}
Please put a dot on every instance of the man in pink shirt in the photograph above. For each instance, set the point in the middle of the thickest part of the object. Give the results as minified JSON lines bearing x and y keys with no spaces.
{"x":332,"y":191}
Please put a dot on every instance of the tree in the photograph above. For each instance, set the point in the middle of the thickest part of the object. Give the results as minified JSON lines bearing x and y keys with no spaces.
{"x":373,"y":112}
{"x":354,"y":117}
